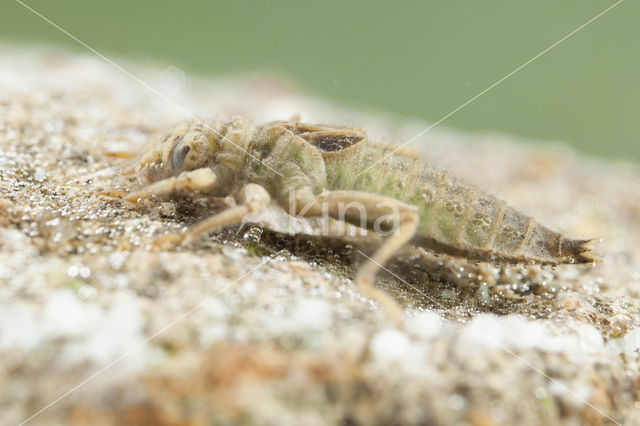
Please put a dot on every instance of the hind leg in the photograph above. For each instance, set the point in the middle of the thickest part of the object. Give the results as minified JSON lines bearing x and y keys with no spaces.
{"x":370,"y":210}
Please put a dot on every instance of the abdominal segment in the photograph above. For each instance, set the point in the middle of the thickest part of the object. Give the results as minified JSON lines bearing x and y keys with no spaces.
{"x":459,"y":219}
{"x":456,"y":218}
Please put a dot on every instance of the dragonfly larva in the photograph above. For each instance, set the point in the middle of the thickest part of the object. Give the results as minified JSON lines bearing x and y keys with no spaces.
{"x":325,"y":170}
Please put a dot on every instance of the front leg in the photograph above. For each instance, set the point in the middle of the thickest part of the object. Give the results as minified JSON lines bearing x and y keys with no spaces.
{"x":203,"y":179}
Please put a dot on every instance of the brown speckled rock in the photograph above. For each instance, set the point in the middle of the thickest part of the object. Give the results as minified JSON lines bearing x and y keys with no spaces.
{"x":255,"y":326}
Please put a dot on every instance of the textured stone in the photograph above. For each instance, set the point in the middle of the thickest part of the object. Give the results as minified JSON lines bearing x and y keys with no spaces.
{"x":261,"y":327}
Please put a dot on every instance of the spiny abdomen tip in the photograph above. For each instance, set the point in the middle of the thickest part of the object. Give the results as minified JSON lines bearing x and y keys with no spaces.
{"x":578,"y":251}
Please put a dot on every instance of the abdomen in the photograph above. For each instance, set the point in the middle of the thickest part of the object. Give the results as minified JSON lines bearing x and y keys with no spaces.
{"x":455,"y":217}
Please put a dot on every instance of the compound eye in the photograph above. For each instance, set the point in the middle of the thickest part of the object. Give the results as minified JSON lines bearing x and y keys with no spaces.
{"x":178,"y":154}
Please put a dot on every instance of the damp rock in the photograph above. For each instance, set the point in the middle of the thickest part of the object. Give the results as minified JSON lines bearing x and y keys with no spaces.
{"x":262,"y":323}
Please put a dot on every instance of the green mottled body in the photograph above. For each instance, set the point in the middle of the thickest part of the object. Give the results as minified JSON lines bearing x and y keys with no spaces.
{"x":455,"y":217}
{"x":295,"y":162}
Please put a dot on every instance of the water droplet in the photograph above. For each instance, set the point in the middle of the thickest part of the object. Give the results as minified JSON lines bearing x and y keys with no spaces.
{"x":541,"y":392}
{"x":483,"y":294}
{"x":87,"y":292}
{"x":78,"y":270}
{"x":456,"y":402}
{"x":39,"y":174}
{"x":117,"y":260}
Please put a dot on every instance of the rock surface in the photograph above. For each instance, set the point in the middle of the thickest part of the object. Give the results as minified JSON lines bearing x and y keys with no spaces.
{"x":255,"y":326}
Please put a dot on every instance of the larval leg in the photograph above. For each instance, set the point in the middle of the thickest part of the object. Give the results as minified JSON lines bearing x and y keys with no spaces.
{"x":196,"y":180}
{"x":252,"y":198}
{"x":401,"y":222}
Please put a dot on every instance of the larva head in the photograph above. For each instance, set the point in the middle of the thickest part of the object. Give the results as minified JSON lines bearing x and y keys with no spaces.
{"x":189,"y":146}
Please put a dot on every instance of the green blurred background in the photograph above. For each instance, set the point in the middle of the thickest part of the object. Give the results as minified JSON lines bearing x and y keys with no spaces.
{"x":421,"y":59}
